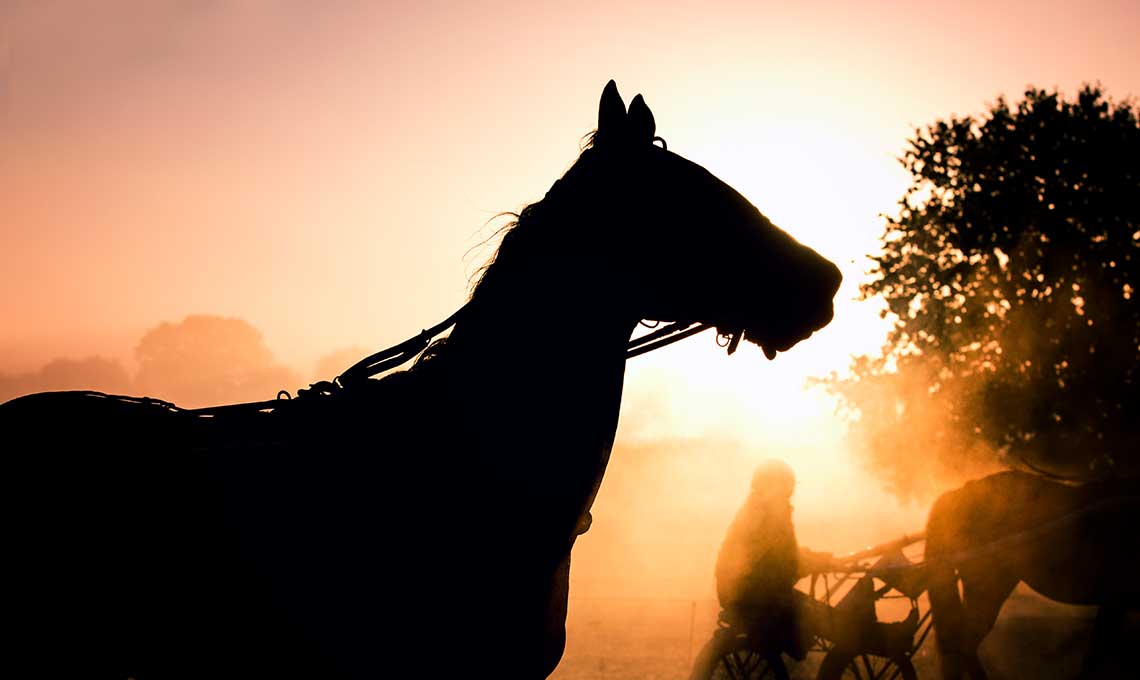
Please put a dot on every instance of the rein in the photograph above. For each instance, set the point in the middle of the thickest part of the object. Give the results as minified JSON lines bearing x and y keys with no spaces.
{"x":403,"y":352}
{"x":995,"y":546}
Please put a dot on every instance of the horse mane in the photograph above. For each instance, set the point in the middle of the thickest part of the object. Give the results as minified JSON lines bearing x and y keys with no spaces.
{"x":514,"y":236}
{"x":520,"y":230}
{"x":1113,"y":481}
{"x":1038,"y":471}
{"x":519,"y":233}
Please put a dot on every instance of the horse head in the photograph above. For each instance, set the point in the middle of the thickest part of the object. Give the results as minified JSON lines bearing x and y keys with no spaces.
{"x":684,"y":245}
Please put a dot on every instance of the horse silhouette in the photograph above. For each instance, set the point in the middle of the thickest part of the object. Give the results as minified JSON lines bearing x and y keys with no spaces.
{"x":1076,"y":544}
{"x":420,"y":523}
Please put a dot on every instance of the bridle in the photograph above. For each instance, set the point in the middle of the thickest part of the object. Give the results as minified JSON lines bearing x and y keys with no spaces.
{"x":398,"y":354}
{"x":403,"y":352}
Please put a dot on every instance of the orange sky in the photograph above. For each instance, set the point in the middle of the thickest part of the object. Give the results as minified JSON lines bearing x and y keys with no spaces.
{"x":322,"y":170}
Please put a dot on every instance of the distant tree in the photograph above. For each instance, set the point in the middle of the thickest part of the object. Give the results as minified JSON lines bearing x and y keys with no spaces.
{"x":1012,"y":269}
{"x":204,"y":360}
{"x":92,"y":373}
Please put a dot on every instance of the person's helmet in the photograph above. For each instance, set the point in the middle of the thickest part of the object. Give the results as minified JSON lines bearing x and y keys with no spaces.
{"x":774,"y":478}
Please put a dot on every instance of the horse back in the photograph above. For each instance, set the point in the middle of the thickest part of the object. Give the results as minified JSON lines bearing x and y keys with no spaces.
{"x":1072,"y":543}
{"x":267,"y":544}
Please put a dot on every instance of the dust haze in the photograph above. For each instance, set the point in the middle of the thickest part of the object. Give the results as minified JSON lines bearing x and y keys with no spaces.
{"x":642,"y":588}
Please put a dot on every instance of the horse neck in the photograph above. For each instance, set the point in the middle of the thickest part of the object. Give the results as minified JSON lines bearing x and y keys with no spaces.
{"x":542,"y":339}
{"x":538,"y":363}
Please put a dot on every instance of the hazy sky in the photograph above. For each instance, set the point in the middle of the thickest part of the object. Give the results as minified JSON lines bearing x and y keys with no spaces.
{"x":324,"y":170}
{"x":321,"y":169}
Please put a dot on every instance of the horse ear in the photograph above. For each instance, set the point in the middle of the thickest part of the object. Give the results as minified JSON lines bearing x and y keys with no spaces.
{"x":611,"y":112}
{"x":641,"y":124}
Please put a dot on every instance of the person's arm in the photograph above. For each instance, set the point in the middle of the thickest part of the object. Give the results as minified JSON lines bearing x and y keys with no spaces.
{"x":812,"y":562}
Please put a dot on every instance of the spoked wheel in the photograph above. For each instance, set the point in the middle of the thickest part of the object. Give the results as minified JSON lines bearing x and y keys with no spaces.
{"x":846,"y":665}
{"x":737,"y":658}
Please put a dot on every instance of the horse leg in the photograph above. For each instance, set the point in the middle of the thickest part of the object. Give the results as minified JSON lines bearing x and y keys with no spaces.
{"x":961,"y":623}
{"x":554,"y":639}
{"x":983,"y":593}
{"x":949,"y":619}
{"x":1106,"y":636}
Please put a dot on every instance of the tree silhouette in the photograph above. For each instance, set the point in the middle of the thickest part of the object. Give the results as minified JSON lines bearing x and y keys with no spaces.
{"x":206,"y":360}
{"x":1012,"y":270}
{"x":92,"y":373}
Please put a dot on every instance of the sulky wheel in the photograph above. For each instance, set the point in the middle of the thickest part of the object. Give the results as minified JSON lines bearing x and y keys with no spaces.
{"x":736,"y":657}
{"x":842,"y":664}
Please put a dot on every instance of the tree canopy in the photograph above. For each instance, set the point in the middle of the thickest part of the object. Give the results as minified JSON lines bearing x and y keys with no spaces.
{"x":1012,"y":268}
{"x":202,"y":360}
{"x":92,"y":373}
{"x":206,"y":360}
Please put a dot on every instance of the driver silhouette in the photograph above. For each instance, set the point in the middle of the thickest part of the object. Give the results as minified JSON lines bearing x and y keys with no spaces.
{"x":760,"y":562}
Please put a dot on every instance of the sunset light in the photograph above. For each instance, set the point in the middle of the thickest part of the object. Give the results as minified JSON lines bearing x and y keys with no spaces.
{"x":276,"y":189}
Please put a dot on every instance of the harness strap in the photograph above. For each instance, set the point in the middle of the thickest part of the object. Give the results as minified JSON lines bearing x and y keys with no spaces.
{"x":403,"y":352}
{"x":662,"y":337}
{"x":395,"y":355}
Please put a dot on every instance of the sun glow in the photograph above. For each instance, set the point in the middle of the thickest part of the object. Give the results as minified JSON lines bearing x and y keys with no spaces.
{"x":711,"y":418}
{"x":825,"y":190}
{"x":322,"y":170}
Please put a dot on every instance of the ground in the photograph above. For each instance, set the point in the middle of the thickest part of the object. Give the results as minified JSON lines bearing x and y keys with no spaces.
{"x":656,"y":639}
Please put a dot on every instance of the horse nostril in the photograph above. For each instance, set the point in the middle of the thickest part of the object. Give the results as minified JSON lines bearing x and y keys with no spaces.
{"x":836,"y":278}
{"x":826,"y":317}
